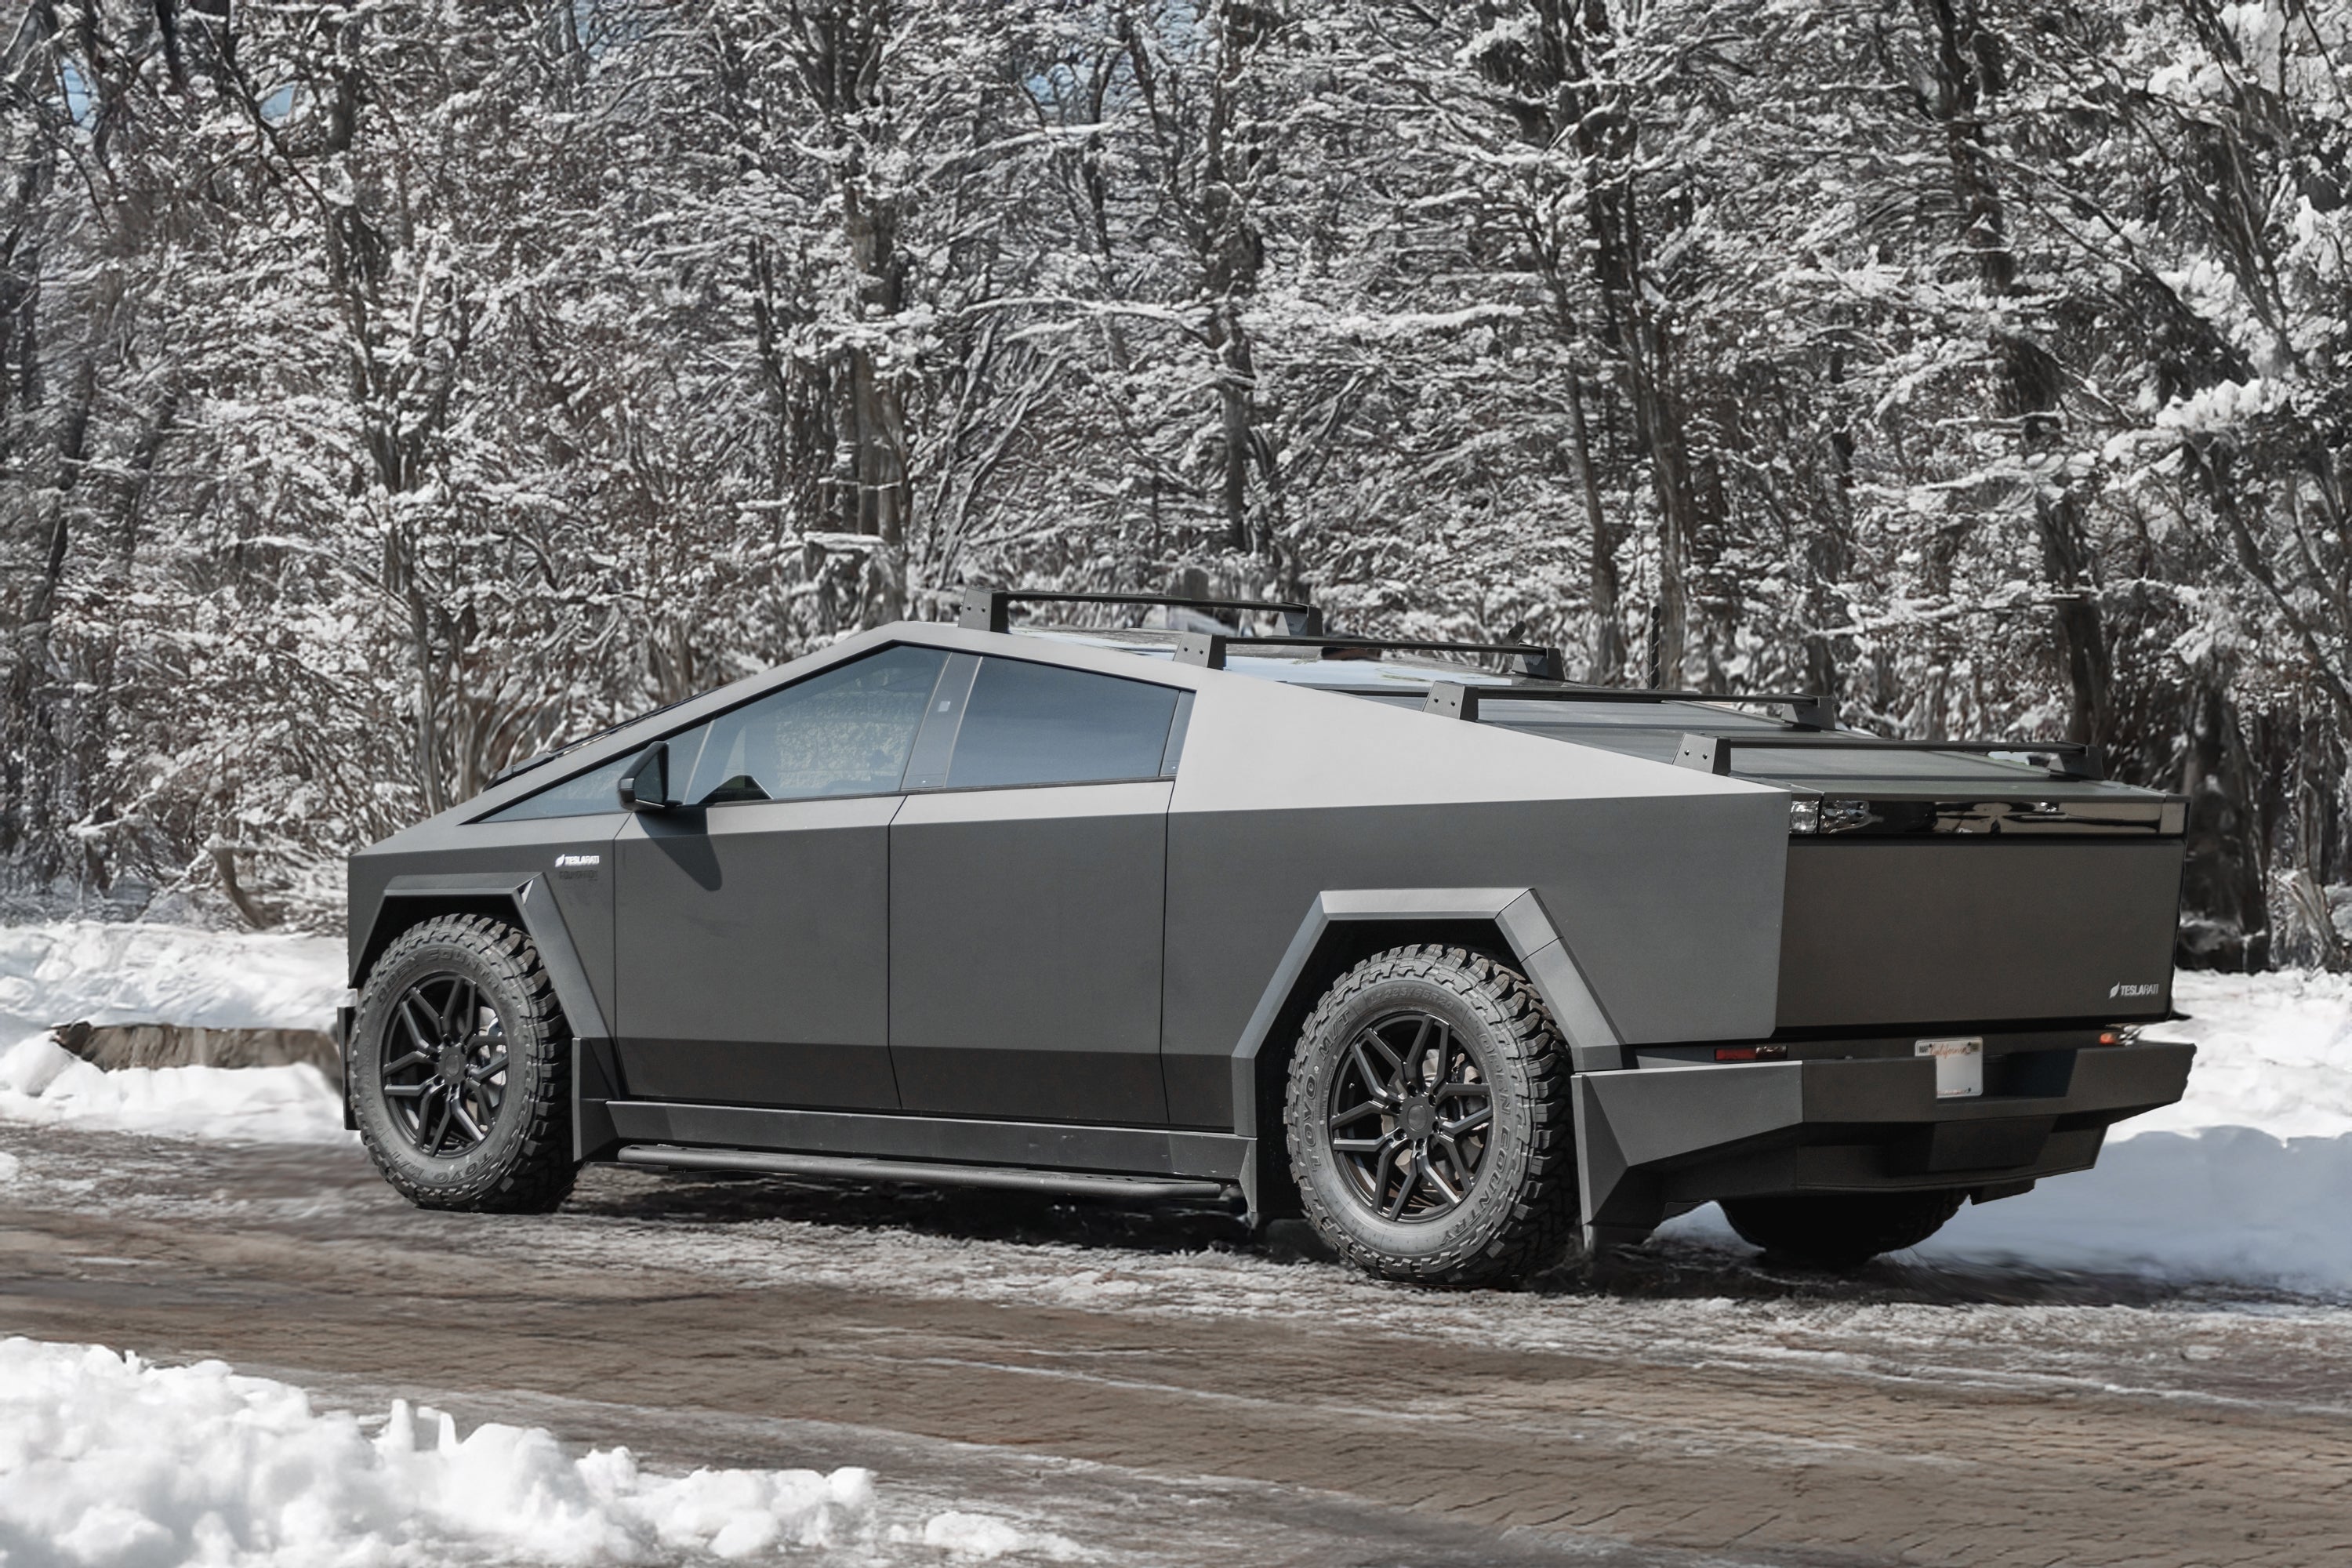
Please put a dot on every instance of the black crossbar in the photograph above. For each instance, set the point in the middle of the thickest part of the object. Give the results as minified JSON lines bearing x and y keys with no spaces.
{"x":1711,"y":753}
{"x":1208,"y":649}
{"x":986,"y":609}
{"x":1451,"y":699}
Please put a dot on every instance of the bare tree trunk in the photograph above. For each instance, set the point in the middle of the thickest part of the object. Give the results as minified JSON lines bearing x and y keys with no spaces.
{"x":2223,"y":892}
{"x":1233,"y":254}
{"x":1608,"y":664}
{"x":1968,"y":71}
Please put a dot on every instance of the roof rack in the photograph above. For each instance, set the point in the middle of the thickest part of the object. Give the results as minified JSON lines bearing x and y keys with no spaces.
{"x":1711,"y":753}
{"x":1806,"y":710}
{"x":985,"y":609}
{"x":1208,"y":648}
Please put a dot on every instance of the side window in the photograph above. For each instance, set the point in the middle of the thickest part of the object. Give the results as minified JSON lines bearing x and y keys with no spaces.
{"x":585,"y":795}
{"x":845,"y":731}
{"x":1039,"y":723}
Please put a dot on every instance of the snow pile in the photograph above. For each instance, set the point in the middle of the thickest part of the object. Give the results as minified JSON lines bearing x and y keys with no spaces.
{"x":86,"y":970}
{"x":2274,"y":1051}
{"x":40,"y":1080}
{"x":2221,"y":1203}
{"x":68,"y":971}
{"x":108,"y":1462}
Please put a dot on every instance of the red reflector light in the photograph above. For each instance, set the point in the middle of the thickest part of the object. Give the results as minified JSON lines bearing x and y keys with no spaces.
{"x":1735,"y":1053}
{"x":2110,"y":1037}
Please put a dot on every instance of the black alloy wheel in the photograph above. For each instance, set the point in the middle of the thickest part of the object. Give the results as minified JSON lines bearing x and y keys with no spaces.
{"x":444,"y":1066}
{"x":1410,"y":1112}
{"x":1427,"y":1120}
{"x":460,"y":1068}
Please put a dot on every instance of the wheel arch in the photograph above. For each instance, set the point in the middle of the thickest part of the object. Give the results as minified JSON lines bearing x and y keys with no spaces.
{"x":1341,"y":929}
{"x":518,"y":899}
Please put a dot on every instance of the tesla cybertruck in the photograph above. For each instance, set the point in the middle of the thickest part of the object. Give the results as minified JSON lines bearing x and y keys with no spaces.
{"x":1464,"y":963}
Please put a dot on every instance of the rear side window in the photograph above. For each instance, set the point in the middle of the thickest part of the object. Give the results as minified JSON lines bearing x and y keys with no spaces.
{"x":1040,"y":725}
{"x":847,"y":731}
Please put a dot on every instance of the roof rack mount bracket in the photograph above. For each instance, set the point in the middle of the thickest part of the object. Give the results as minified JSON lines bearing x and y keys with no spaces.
{"x":1207,"y":649}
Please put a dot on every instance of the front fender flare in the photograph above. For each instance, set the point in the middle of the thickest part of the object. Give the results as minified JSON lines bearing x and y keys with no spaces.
{"x":411,"y":896}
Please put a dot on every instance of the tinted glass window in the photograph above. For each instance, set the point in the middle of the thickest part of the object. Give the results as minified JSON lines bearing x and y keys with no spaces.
{"x":845,"y":731}
{"x":584,"y":795}
{"x":1038,"y":723}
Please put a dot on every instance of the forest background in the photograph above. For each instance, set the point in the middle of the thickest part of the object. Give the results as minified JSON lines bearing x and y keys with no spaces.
{"x":391,"y":388}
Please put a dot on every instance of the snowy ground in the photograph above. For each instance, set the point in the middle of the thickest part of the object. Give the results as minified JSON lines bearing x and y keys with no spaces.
{"x":2244,"y":1179}
{"x":1153,"y":1387}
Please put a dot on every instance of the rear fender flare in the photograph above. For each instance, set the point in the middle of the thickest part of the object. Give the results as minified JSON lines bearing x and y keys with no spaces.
{"x":1515,"y":914}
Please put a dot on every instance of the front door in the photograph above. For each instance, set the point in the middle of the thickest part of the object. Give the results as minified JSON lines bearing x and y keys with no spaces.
{"x":1028,"y":873}
{"x":752,"y":944}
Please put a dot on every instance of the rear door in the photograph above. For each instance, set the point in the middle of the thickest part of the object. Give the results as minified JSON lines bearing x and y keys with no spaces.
{"x":1028,"y":872}
{"x":752,"y":927}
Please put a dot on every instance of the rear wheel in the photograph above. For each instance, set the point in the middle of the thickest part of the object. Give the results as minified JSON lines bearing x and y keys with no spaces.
{"x":461,"y":1070}
{"x":1428,"y":1120}
{"x":1840,"y":1230}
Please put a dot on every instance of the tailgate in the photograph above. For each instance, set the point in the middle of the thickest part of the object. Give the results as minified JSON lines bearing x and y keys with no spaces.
{"x":1931,"y":887}
{"x":1892,"y":930}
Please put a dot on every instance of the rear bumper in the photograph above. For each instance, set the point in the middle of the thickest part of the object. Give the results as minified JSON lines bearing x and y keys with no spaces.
{"x":1651,"y":1142}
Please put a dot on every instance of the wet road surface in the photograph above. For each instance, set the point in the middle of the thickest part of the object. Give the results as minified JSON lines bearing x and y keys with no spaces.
{"x":1160,"y":1389}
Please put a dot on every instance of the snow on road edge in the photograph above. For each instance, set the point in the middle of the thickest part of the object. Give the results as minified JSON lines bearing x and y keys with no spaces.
{"x":140,"y":972}
{"x":63,"y":971}
{"x":107,"y":1461}
{"x":40,"y":1080}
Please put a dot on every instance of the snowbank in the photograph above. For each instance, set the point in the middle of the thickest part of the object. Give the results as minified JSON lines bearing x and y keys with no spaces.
{"x":2221,"y":1203}
{"x":86,"y":970}
{"x":67,"y":970}
{"x":40,"y":1080}
{"x":108,"y":1462}
{"x":2273,"y":1052}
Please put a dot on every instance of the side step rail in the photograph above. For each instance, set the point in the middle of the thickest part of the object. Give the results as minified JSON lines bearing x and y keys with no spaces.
{"x":844,"y":1167}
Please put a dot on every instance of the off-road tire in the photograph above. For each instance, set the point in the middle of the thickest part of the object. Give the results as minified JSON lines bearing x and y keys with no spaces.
{"x":1519,"y":1214}
{"x":1840,"y":1230}
{"x":523,"y":1164}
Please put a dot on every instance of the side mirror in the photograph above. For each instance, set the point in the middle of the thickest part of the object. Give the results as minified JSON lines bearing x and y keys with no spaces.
{"x":645,"y":786}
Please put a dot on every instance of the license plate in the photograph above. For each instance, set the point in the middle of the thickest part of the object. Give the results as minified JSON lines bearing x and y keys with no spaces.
{"x":1959,"y":1067}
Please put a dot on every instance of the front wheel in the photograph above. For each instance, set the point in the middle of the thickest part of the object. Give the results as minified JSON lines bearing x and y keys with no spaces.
{"x":1428,"y":1120}
{"x":1840,"y":1230}
{"x":461,"y":1070}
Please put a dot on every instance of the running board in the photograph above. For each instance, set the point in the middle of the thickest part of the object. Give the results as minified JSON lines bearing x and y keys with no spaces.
{"x":1076,"y":1183}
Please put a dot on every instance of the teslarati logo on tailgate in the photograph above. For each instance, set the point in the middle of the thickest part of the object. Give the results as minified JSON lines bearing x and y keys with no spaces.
{"x":2113,"y":992}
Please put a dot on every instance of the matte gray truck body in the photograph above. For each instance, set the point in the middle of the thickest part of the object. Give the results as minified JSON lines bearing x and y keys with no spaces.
{"x":1092,"y":983}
